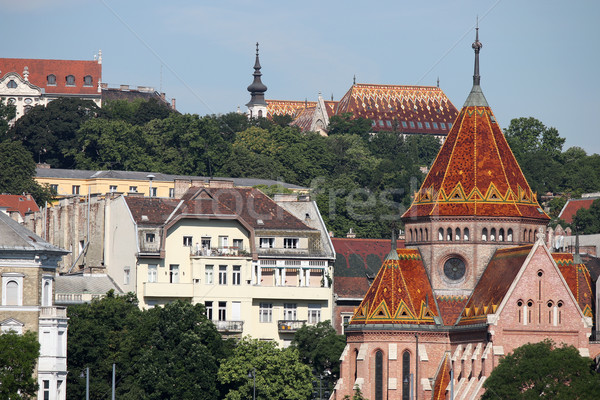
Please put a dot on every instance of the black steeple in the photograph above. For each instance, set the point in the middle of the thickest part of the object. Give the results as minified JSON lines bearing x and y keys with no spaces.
{"x":476,"y":97}
{"x":257,"y":89}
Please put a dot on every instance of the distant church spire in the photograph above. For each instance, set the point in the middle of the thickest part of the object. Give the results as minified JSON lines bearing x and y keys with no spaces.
{"x":476,"y":97}
{"x":257,"y":104}
{"x":354,"y":80}
{"x":477,"y":47}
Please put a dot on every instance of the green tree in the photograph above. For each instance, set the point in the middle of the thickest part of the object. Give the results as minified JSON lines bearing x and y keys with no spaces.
{"x":543,"y":371}
{"x":7,"y":113}
{"x":17,"y":171}
{"x":320,"y":347}
{"x":587,"y":220}
{"x":18,"y":358}
{"x":346,"y":124}
{"x":48,"y":132}
{"x":279,"y":373}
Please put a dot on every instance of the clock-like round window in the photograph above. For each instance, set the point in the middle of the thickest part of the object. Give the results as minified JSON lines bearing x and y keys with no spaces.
{"x":454,"y":268}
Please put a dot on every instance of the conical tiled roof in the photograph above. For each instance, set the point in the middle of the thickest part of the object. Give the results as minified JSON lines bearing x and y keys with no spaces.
{"x":475,"y":172}
{"x":400,"y":294}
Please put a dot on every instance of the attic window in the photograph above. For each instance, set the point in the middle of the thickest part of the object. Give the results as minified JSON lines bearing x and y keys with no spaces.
{"x":145,"y":218}
{"x":427,"y":125}
{"x":412,"y":124}
{"x":449,"y":125}
{"x":51,"y":79}
{"x":87,"y":80}
{"x":443,"y":125}
{"x":11,"y":84}
{"x":404,"y":124}
{"x":388,"y":123}
{"x":260,"y":222}
{"x":380,"y":123}
{"x":419,"y":125}
{"x":70,"y":80}
{"x":435,"y":125}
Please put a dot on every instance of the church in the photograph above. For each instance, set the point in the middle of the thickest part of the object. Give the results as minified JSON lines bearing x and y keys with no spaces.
{"x":475,"y":281}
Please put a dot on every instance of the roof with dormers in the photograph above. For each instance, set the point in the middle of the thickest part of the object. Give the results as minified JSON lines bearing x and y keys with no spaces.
{"x":578,"y":279}
{"x":475,"y":172}
{"x":409,"y":109}
{"x":287,"y":107}
{"x":39,"y":70}
{"x":400,"y":294}
{"x":21,"y":203}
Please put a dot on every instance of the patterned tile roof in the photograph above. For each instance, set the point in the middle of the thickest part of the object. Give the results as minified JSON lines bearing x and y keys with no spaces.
{"x":572,"y":206}
{"x":303,"y":118}
{"x":442,"y":378}
{"x":40,"y":69}
{"x":21,"y":203}
{"x":475,"y":174}
{"x":450,"y":307}
{"x":410,"y":109}
{"x":494,"y":284}
{"x":287,"y":107}
{"x":400,"y":294}
{"x":578,"y":278}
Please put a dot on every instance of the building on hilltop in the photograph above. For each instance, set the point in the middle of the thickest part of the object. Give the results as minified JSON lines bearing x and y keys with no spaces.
{"x":475,"y":281}
{"x":28,"y":269}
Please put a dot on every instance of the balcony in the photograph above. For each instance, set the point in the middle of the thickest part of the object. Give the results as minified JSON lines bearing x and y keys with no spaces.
{"x":289,"y":326}
{"x":173,"y":290}
{"x":229,"y":326}
{"x":69,"y":298}
{"x":53,"y":312}
{"x":226,"y":251}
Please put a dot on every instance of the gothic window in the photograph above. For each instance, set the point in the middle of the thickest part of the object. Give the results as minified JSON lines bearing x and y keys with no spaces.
{"x":449,"y":234}
{"x":466,"y":234}
{"x":441,"y":234}
{"x":406,"y":375}
{"x":355,"y":365}
{"x":493,"y":235}
{"x":426,"y":234}
{"x":509,"y":235}
{"x":529,"y":311}
{"x":559,"y":305}
{"x":535,"y":233}
{"x":530,"y":237}
{"x":501,"y":235}
{"x":484,"y":234}
{"x":379,"y":375}
{"x":457,"y":234}
{"x":421,"y":234}
{"x":520,"y":305}
{"x":411,"y":235}
{"x":550,"y":311}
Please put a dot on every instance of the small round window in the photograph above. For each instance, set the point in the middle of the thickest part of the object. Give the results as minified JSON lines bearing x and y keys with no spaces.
{"x":454,"y":268}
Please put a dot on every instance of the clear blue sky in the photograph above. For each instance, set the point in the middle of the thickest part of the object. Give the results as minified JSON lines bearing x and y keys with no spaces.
{"x":540,"y":58}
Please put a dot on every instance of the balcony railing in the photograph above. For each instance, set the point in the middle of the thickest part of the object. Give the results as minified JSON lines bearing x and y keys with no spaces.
{"x":289,"y":326}
{"x":69,"y":298}
{"x":226,"y":251}
{"x":53,"y":312}
{"x":229,"y":326}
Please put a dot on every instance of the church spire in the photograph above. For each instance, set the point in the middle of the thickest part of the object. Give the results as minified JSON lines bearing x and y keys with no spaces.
{"x":476,"y":97}
{"x":257,"y":104}
{"x":477,"y":47}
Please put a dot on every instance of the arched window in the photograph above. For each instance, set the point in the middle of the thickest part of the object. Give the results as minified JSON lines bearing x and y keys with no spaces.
{"x":355,"y":364}
{"x":411,"y":235}
{"x":559,"y":305}
{"x":520,"y":306}
{"x":11,"y":84}
{"x":466,"y":234}
{"x":12,"y":293}
{"x":70,"y":80}
{"x":525,"y":235}
{"x":457,"y":234}
{"x":406,"y":375}
{"x":51,"y":79}
{"x":441,"y":234}
{"x":449,"y":234}
{"x":379,"y":375}
{"x":501,"y":235}
{"x":530,"y":237}
{"x":550,"y":311}
{"x":420,"y":234}
{"x":535,"y":234}
{"x":87,"y":80}
{"x":260,"y":113}
{"x":484,"y":235}
{"x":529,"y":311}
{"x":493,"y":235}
{"x":47,"y":293}
{"x":509,"y":235}
{"x":426,"y":234}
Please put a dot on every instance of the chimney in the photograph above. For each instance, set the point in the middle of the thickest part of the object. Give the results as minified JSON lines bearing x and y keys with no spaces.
{"x":351,"y":234}
{"x":220,"y":184}
{"x":198,"y":183}
{"x":173,"y":104}
{"x":181,"y":186}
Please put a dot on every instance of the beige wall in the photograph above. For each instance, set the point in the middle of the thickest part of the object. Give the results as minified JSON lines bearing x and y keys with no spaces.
{"x":120,"y":238}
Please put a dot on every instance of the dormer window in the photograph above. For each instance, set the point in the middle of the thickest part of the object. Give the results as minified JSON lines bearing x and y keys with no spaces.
{"x":87,"y":80}
{"x":11,"y":84}
{"x":51,"y":79}
{"x":70,"y":80}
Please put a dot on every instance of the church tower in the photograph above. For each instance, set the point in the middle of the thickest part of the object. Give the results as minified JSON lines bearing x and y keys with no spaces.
{"x":257,"y":106}
{"x":474,"y":200}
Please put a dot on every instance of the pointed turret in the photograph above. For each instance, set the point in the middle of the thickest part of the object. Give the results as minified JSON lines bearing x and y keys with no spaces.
{"x":476,"y":97}
{"x":257,"y":105}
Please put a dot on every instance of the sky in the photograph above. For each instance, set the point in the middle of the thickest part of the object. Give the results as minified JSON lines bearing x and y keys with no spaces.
{"x":539,"y":58}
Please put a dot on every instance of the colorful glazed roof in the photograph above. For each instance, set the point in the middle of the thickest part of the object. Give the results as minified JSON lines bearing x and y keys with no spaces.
{"x":572,"y":206}
{"x":494,"y":284}
{"x":304,"y":118}
{"x":400,"y":294}
{"x":287,"y":107}
{"x":475,"y":173}
{"x":578,"y":278}
{"x":39,"y":70}
{"x":409,"y":109}
{"x":450,"y":307}
{"x":442,"y":378}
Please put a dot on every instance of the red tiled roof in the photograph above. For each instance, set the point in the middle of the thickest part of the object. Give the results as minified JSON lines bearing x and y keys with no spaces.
{"x":40,"y":69}
{"x":304,"y":118}
{"x":442,"y":379}
{"x":150,"y":210}
{"x":450,"y":307}
{"x":392,"y":104}
{"x":21,"y":203}
{"x":330,"y":106}
{"x":400,"y":294}
{"x":287,"y":107}
{"x":493,"y":284}
{"x":572,"y":206}
{"x":476,"y":174}
{"x":578,"y":279}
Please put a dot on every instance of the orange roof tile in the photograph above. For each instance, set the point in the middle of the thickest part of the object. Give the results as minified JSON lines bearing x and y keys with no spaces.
{"x":21,"y":203}
{"x":287,"y":107}
{"x":574,"y":205}
{"x":40,"y":69}
{"x":578,"y":279}
{"x":442,"y":378}
{"x":476,"y":174}
{"x":400,"y":294}
{"x":450,"y":307}
{"x":424,"y":109}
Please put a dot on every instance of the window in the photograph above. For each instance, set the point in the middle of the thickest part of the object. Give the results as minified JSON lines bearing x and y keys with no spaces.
{"x":12,"y":100}
{"x":174,"y":273}
{"x":222,"y":311}
{"x":443,"y":125}
{"x":267,"y":243}
{"x":289,"y":311}
{"x":493,"y":235}
{"x":126,"y":276}
{"x":222,"y":274}
{"x":150,"y":237}
{"x":466,"y":234}
{"x":26,"y":109}
{"x":380,"y":123}
{"x":379,"y":375}
{"x":223,"y":242}
{"x":501,"y":235}
{"x":152,"y":273}
{"x":427,"y":125}
{"x":237,"y":275}
{"x":238,"y":244}
{"x":54,"y":188}
{"x":208,"y":274}
{"x":51,"y":79}
{"x":133,"y":189}
{"x":75,"y":189}
{"x":171,"y":192}
{"x":46,"y":389}
{"x":70,"y":80}
{"x":435,"y":125}
{"x":406,"y":383}
{"x":87,"y":80}
{"x":47,"y":292}
{"x":441,"y":234}
{"x":187,"y":241}
{"x":484,"y":234}
{"x":419,"y":125}
{"x":112,"y":188}
{"x":209,"y":310}
{"x":314,"y":313}
{"x":205,"y":242}
{"x":509,"y":235}
{"x":449,"y":234}
{"x":152,"y":192}
{"x":449,"y":125}
{"x":404,"y":124}
{"x":265,"y":312}
{"x":457,"y":236}
{"x":11,"y":84}
{"x":411,"y":123}
{"x":388,"y":123}
{"x":290,"y":243}
{"x":12,"y":293}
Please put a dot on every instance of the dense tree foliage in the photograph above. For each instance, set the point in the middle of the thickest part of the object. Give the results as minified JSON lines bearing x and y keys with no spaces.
{"x":279,"y":373}
{"x":543,"y":371}
{"x":165,"y":352}
{"x":18,"y":359}
{"x":7,"y":113}
{"x":587,"y":220}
